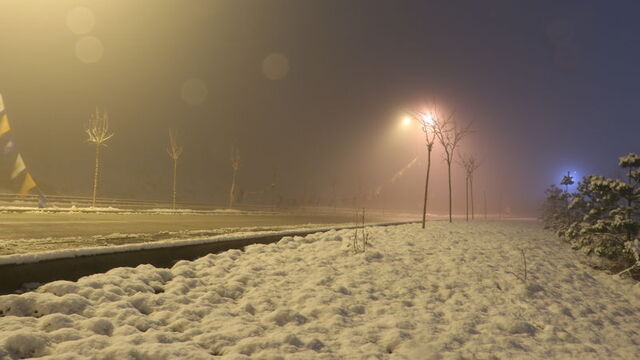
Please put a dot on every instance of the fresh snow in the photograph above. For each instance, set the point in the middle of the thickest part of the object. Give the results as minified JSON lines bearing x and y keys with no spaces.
{"x":451,"y":291}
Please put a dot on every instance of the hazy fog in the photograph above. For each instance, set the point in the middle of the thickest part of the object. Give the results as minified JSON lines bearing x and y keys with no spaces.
{"x":318,"y":89}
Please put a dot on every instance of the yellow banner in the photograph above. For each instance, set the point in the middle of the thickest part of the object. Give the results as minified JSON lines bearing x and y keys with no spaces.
{"x":4,"y":125}
{"x":18,"y":168}
{"x":27,"y":185}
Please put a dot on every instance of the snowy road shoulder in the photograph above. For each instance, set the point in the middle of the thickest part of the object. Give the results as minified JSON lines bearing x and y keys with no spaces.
{"x":138,"y":242}
{"x":451,"y":291}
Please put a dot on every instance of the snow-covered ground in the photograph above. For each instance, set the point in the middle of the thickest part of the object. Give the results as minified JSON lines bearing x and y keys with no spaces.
{"x":450,"y":292}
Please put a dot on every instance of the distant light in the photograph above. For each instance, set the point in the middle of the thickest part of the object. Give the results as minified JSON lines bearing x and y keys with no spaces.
{"x":406,"y":121}
{"x":194,"y":91}
{"x":275,"y":66}
{"x":562,"y":172}
{"x":80,"y":20}
{"x":89,"y":49}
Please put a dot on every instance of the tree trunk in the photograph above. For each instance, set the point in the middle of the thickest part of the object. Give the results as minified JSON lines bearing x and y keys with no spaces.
{"x":233,"y":188}
{"x":426,"y":189}
{"x":175,"y":175}
{"x":484,"y":194}
{"x":466,"y":196}
{"x":471,"y":189}
{"x":450,"y":193}
{"x":273,"y":197}
{"x":95,"y":175}
{"x":333,"y":192}
{"x":500,"y":203}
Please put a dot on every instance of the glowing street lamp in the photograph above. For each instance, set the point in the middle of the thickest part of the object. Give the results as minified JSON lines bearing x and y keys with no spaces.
{"x":426,"y":119}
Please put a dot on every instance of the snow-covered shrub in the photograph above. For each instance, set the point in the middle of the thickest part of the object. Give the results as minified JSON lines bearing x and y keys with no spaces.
{"x":603,"y":216}
{"x":555,"y":209}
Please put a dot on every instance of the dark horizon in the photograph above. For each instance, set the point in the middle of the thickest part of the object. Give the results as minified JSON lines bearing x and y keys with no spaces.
{"x":318,"y":89}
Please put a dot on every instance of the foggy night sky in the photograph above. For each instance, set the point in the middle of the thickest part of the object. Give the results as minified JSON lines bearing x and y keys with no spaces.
{"x":550,"y":86}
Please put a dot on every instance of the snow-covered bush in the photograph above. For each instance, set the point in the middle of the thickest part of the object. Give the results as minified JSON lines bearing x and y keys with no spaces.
{"x":602,"y":217}
{"x":555,"y":209}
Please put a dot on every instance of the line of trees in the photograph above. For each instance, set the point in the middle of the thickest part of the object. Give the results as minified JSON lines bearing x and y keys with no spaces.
{"x":602,"y":217}
{"x":99,"y":133}
{"x":438,"y":127}
{"x":445,"y":129}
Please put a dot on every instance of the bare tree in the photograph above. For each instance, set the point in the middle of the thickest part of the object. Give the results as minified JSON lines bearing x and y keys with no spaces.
{"x":275,"y":176}
{"x":333,"y":194}
{"x":449,"y":135}
{"x":484,"y":195}
{"x":470,"y":164}
{"x":98,"y":131}
{"x":235,"y":165}
{"x":427,"y":123}
{"x":174,"y":151}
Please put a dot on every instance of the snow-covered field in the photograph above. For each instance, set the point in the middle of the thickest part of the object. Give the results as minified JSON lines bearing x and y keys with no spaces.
{"x":450,"y":292}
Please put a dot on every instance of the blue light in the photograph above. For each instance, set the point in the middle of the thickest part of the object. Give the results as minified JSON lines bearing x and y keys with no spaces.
{"x":575,"y":174}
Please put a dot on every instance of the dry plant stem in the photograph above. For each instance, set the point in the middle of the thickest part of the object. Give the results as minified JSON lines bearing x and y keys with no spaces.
{"x":360,"y":232}
{"x":628,"y":269}
{"x":524,"y":262}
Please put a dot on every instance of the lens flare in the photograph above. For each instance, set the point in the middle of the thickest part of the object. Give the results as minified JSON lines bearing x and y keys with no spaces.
{"x":89,"y":49}
{"x":194,"y":91}
{"x":80,"y":20}
{"x":275,"y":66}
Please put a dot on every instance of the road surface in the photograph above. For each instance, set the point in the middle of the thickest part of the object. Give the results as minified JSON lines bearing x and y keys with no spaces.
{"x":33,"y":232}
